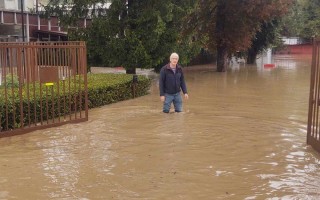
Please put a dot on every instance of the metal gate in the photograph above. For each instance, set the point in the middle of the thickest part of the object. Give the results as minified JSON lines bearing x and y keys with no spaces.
{"x":42,"y":84}
{"x":313,"y":132}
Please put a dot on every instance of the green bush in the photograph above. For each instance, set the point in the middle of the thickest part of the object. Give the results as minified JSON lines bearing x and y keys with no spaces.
{"x":110,"y":88}
{"x":11,"y":81}
{"x":102,"y":89}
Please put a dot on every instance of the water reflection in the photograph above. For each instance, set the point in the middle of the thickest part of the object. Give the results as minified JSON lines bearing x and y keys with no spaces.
{"x":242,"y":136}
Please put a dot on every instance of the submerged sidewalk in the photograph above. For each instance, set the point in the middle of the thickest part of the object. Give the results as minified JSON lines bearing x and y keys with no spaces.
{"x":121,"y":70}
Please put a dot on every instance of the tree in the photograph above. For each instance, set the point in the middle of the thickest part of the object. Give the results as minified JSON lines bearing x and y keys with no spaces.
{"x":293,"y":22}
{"x":267,"y":36}
{"x":231,"y":25}
{"x":312,"y":22}
{"x":130,"y":33}
{"x":303,"y":20}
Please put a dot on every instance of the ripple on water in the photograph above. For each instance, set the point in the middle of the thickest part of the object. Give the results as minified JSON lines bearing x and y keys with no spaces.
{"x":4,"y":194}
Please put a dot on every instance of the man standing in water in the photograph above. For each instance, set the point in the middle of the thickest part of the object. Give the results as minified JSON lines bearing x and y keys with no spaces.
{"x":171,"y":82}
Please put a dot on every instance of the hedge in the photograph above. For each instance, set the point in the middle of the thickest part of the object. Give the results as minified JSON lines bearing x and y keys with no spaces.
{"x":110,"y":88}
{"x":102,"y":89}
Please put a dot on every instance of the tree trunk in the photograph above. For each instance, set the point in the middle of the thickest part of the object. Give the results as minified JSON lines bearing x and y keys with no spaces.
{"x":131,"y":71}
{"x":220,"y":29}
{"x":221,"y":58}
{"x":252,"y":56}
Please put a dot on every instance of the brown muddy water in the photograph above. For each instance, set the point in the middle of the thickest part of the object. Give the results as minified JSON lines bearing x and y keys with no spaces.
{"x":242,"y":136}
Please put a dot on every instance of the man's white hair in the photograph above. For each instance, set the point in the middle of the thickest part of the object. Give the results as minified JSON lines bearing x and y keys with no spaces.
{"x":174,"y":55}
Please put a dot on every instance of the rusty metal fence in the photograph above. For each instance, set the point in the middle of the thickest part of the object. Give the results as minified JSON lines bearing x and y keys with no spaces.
{"x":313,"y":131}
{"x":42,"y":84}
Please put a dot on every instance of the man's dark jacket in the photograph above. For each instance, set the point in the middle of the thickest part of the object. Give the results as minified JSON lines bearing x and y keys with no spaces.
{"x":170,"y":82}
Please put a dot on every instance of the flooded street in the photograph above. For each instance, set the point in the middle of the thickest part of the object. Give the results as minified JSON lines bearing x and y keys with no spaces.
{"x":242,"y":136}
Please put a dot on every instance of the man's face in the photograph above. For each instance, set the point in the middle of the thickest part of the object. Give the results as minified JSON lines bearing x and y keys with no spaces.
{"x":174,"y":60}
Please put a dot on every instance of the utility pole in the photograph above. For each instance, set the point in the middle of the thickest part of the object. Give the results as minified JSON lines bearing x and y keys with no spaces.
{"x":37,"y":6}
{"x":22,"y":20}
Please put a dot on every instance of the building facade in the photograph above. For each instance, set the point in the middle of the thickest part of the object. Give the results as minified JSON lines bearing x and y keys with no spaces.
{"x":35,"y":27}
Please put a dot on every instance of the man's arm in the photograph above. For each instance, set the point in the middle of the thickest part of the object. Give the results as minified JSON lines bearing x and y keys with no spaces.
{"x":183,"y":84}
{"x":161,"y":82}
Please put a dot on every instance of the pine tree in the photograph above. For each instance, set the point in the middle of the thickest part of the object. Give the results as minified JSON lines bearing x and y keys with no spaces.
{"x":131,"y":33}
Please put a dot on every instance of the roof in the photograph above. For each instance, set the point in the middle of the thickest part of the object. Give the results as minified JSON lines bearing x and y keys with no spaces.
{"x":55,"y":33}
{"x":45,"y":35}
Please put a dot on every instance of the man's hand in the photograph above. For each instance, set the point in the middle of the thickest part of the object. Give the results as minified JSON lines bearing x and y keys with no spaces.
{"x":162,"y":98}
{"x":186,"y":96}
